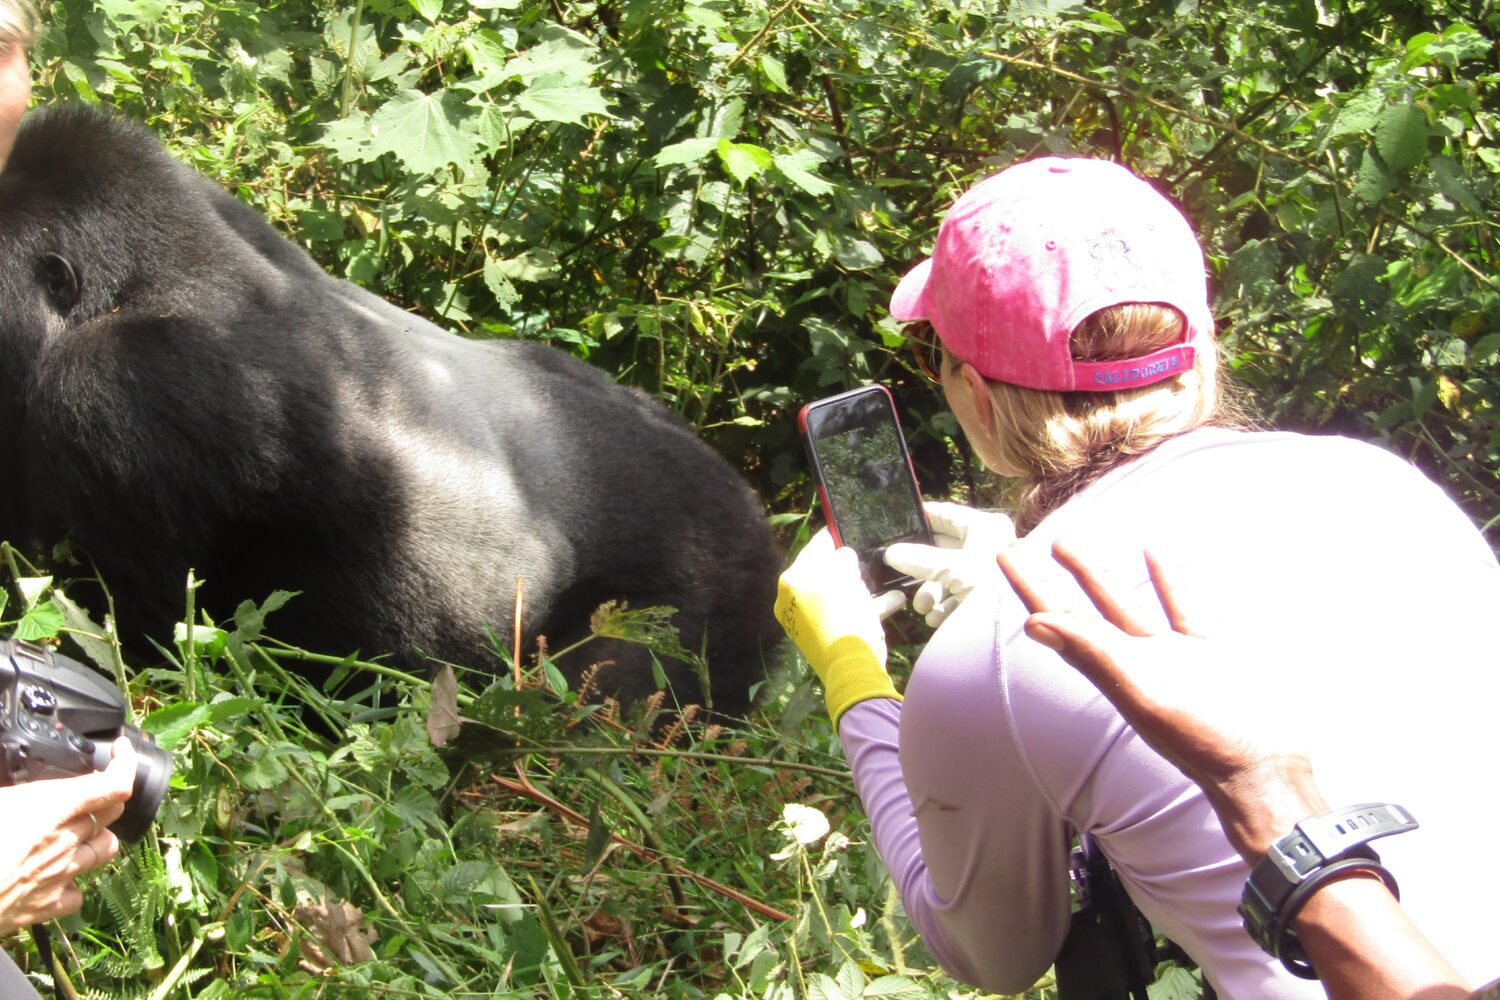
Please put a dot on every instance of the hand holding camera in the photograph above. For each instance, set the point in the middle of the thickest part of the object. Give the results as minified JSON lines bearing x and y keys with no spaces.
{"x":63,"y":722}
{"x":59,"y":830}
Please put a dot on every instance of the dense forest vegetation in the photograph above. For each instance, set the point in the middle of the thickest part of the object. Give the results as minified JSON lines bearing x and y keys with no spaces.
{"x":712,"y":200}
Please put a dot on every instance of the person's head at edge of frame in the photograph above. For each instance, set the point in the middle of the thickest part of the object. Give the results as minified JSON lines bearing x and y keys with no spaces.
{"x":1070,"y":302}
{"x":18,"y":26}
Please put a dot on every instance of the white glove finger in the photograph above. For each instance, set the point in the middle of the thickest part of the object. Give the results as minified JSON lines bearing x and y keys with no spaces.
{"x":952,"y":520}
{"x":924,"y":562}
{"x":928,"y":596}
{"x":940,"y":614}
{"x":889,"y":603}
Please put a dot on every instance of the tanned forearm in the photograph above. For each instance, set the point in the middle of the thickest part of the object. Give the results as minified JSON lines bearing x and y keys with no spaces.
{"x":1364,"y":947}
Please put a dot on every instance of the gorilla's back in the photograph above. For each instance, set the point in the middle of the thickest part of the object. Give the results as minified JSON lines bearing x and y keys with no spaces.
{"x":273,"y":427}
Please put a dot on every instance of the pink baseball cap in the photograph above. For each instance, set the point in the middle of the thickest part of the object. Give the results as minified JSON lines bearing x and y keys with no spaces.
{"x":1029,"y":253}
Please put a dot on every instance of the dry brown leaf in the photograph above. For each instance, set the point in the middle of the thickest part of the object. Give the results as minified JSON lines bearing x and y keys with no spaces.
{"x":442,"y":716}
{"x":339,"y":929}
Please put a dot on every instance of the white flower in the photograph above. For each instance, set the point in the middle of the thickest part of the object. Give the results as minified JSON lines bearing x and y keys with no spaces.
{"x":803,"y":826}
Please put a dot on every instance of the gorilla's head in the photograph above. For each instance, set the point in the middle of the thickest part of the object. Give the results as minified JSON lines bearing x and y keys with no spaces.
{"x":84,"y":203}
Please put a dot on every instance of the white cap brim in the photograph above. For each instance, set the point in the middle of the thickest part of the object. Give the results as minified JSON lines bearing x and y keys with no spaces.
{"x":909,"y":301}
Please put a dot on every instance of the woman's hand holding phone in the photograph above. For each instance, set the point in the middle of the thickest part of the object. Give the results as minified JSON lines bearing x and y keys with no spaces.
{"x":966,"y":542}
{"x":826,"y":610}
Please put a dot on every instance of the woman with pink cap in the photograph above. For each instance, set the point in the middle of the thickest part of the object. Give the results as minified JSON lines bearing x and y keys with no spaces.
{"x":1074,"y":343}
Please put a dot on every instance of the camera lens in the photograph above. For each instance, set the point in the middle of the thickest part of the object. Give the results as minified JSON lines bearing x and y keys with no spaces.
{"x":153,"y":770}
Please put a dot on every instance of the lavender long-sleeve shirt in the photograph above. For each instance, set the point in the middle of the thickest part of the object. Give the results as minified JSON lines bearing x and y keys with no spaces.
{"x":1367,"y":599}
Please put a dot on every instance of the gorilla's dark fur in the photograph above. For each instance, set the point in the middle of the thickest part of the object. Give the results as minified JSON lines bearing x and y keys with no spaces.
{"x":182,"y":387}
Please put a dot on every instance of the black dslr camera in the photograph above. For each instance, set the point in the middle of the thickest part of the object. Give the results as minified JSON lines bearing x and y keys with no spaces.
{"x":58,"y":719}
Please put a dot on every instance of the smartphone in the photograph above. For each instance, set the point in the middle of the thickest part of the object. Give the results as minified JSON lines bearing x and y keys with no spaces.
{"x":865,"y":478}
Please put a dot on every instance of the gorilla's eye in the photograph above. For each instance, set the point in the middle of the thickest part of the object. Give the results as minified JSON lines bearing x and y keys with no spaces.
{"x":60,"y":282}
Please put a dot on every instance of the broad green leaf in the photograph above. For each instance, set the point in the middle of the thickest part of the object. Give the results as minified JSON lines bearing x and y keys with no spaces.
{"x":686,"y":151}
{"x":1454,"y":185}
{"x":490,"y":55}
{"x":1448,"y":352}
{"x":743,"y":160}
{"x":1358,"y":115}
{"x":1486,"y":350}
{"x":775,"y":72}
{"x":42,"y":622}
{"x":850,"y":979}
{"x":1360,"y":282}
{"x":565,"y":54}
{"x":423,"y":130}
{"x":172,"y":724}
{"x":704,"y":16}
{"x":550,"y":100}
{"x":1374,"y":181}
{"x":1459,"y":43}
{"x":799,"y":168}
{"x":1424,"y":395}
{"x":265,"y":771}
{"x":351,"y":138}
{"x":539,"y":264}
{"x":143,"y":11}
{"x":499,"y":285}
{"x":430,"y":10}
{"x":1401,"y":136}
{"x":823,"y":987}
{"x":894,"y":988}
{"x":1176,"y":983}
{"x":858,"y":255}
{"x":32,"y":588}
{"x":205,"y":637}
{"x":175,"y":723}
{"x":250,"y":618}
{"x":728,"y":119}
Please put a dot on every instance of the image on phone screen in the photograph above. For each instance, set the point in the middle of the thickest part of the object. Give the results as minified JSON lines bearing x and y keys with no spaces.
{"x":860,"y":460}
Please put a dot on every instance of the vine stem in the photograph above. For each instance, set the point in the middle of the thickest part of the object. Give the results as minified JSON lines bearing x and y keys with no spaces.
{"x":526,"y":789}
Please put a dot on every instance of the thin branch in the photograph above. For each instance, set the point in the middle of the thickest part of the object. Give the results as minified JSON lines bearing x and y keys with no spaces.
{"x":526,"y":789}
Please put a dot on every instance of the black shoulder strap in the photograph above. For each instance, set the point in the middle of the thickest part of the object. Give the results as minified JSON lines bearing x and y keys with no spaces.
{"x":1110,"y":952}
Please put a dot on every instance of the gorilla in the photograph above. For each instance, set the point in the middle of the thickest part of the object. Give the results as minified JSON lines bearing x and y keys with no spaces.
{"x":182,"y":387}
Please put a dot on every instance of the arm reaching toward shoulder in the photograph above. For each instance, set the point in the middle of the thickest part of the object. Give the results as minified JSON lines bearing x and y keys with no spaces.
{"x":1184,"y":693}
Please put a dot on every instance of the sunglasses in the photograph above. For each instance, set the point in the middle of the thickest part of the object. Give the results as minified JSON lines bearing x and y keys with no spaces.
{"x":926,"y":350}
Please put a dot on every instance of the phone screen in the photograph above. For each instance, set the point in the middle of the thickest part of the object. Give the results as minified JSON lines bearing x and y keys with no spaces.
{"x":865,"y":478}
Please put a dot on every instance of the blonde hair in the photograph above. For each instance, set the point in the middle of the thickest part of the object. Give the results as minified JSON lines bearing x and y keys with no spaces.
{"x":18,"y":23}
{"x":1056,"y":443}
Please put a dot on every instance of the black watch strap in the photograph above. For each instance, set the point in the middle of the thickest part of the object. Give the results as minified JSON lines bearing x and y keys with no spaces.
{"x":1314,"y":845}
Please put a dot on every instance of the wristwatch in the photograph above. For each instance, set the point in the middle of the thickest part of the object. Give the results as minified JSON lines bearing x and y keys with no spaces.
{"x":1316,"y":851}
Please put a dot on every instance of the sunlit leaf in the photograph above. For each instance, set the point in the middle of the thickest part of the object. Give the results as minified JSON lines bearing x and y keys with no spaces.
{"x":686,"y":151}
{"x":423,"y":130}
{"x":550,"y":100}
{"x":799,"y":167}
{"x":742,"y":160}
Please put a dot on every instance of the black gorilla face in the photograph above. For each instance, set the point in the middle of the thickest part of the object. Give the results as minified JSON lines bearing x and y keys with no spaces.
{"x":181,"y":387}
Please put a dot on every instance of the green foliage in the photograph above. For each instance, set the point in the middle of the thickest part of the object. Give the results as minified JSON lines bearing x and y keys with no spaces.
{"x":712,"y":199}
{"x":315,"y":842}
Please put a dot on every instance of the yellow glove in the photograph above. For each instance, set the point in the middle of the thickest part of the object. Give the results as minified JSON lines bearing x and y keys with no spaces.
{"x":826,"y":610}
